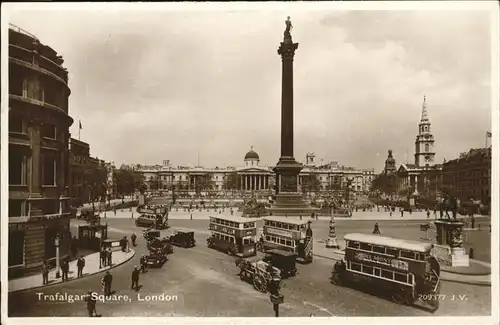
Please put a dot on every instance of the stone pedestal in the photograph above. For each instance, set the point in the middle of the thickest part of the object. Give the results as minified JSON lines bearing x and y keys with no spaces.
{"x":450,"y":234}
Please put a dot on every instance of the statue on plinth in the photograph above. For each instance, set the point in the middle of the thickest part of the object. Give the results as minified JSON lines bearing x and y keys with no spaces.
{"x":287,"y":35}
{"x":457,"y":240}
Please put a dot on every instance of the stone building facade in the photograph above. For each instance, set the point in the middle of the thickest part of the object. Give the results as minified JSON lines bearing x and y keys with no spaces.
{"x":252,"y":177}
{"x":469,"y":176}
{"x":38,"y":152}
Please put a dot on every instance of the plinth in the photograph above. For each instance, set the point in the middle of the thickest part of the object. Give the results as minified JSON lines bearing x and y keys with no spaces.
{"x":449,"y":237}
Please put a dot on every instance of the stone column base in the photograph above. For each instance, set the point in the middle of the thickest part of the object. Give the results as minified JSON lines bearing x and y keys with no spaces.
{"x":459,"y":257}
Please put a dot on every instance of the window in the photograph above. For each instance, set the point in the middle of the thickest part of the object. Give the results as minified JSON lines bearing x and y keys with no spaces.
{"x":49,"y":170}
{"x":367,"y":269}
{"x":426,"y":147}
{"x":377,"y":271}
{"x":387,"y":274}
{"x":407,"y":254}
{"x":17,"y":208}
{"x":365,"y":246}
{"x":52,"y":207}
{"x":49,"y":131}
{"x":400,"y":277}
{"x":355,"y":266}
{"x":17,"y":168}
{"x":379,"y":249}
{"x":268,"y":238}
{"x":16,"y":248}
{"x":16,"y":124}
{"x":353,"y":244}
{"x":33,"y":89}
{"x":392,"y":251}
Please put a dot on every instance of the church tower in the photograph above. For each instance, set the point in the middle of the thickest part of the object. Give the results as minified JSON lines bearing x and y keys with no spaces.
{"x":424,"y":143}
{"x":390,"y":164}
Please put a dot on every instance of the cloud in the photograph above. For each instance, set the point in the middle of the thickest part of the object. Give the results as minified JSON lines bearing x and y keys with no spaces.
{"x":150,"y":86}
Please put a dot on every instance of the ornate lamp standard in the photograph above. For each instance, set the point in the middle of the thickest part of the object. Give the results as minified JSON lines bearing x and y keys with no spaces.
{"x":276,"y":297}
{"x":58,"y":267}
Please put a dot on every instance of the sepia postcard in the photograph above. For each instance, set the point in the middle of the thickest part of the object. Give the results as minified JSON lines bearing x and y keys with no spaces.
{"x":228,"y":163}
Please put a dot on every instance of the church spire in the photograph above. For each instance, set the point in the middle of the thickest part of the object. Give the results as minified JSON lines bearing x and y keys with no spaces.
{"x":424,"y":117}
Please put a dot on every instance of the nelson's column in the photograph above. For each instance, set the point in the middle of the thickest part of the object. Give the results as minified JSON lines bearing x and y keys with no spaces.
{"x":289,"y":201}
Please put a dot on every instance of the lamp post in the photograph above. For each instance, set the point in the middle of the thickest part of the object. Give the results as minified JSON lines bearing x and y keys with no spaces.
{"x":276,"y":297}
{"x":58,"y":267}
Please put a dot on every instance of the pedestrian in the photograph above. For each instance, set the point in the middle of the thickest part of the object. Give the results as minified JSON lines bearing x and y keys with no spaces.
{"x":109,"y":257}
{"x":104,"y":257}
{"x":131,"y":213}
{"x":45,"y":273}
{"x":376,"y":229}
{"x":91,"y":301}
{"x":473,"y":221}
{"x":114,"y":210}
{"x":143,"y":263}
{"x":191,"y":216}
{"x":441,"y":213}
{"x":135,"y":278}
{"x":107,"y":280}
{"x":402,"y":212}
{"x":65,"y":269}
{"x":123,"y":243}
{"x":74,"y":246}
{"x":428,"y":213}
{"x":80,"y":265}
{"x":133,"y":238}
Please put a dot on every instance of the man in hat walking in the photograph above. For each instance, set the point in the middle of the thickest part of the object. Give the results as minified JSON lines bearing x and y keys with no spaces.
{"x":135,"y":278}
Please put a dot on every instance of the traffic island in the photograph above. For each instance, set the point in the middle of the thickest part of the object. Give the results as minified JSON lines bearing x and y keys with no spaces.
{"x":92,"y":267}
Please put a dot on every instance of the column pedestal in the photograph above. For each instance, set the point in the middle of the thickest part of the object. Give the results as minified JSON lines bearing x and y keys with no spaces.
{"x":449,"y":249}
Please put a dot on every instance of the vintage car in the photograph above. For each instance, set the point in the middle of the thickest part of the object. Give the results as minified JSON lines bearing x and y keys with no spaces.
{"x":88,"y":215}
{"x":183,"y":238}
{"x":154,"y":220}
{"x":156,"y":259}
{"x":283,"y":260}
{"x":157,"y":245}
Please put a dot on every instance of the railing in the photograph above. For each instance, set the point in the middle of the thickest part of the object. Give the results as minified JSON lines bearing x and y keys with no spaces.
{"x":21,"y":31}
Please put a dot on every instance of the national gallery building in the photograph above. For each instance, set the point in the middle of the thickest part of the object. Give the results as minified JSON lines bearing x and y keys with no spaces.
{"x":253,"y":177}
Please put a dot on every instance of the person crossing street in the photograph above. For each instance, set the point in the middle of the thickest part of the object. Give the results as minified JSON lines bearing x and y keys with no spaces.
{"x":135,"y":278}
{"x":133,"y":238}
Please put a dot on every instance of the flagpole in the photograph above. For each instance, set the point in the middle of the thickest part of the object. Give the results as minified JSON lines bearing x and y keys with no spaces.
{"x":79,"y":129}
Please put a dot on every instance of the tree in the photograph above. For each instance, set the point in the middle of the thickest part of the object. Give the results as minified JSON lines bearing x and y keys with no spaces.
{"x":128,"y":181}
{"x":385,"y":183}
{"x":95,"y":179}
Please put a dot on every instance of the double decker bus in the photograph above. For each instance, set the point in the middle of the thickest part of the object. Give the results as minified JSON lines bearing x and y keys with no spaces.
{"x":234,"y":235}
{"x":290,"y":235}
{"x":405,"y":269}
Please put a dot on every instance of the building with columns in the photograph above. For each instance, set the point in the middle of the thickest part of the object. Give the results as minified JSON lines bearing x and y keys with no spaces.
{"x":39,"y":122}
{"x":423,"y":177}
{"x":251,"y":177}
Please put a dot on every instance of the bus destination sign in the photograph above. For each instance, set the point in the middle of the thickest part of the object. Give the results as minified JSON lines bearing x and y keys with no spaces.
{"x":398,"y":264}
{"x":222,"y":229}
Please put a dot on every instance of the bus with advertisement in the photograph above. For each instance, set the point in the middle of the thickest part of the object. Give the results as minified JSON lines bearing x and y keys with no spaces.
{"x":233,"y":235}
{"x":290,"y":235}
{"x":404,"y":269}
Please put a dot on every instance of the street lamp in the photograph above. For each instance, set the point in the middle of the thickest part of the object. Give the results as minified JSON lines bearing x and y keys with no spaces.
{"x":58,"y":267}
{"x":276,"y":297}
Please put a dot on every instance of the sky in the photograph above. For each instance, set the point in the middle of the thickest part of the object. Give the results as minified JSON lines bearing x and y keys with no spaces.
{"x":189,"y":86}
